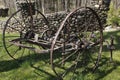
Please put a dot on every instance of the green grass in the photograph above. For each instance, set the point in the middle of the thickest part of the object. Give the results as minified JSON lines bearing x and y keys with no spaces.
{"x":3,"y":18}
{"x":36,"y":67}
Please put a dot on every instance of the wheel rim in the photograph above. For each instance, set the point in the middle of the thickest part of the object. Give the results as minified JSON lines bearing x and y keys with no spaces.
{"x":16,"y":32}
{"x":84,"y":34}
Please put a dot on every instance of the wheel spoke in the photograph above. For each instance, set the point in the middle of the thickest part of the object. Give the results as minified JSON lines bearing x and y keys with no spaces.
{"x":18,"y":29}
{"x":83,"y":35}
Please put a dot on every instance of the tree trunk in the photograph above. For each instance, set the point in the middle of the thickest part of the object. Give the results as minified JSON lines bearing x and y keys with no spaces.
{"x":43,"y":9}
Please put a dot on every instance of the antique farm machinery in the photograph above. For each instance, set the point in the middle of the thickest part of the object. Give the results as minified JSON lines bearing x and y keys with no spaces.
{"x":78,"y":41}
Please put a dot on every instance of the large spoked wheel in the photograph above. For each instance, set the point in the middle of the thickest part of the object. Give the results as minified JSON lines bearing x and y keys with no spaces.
{"x":79,"y":39}
{"x":22,"y":33}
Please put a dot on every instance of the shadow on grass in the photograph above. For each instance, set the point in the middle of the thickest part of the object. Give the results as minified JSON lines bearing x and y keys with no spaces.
{"x":51,"y":77}
{"x":8,"y":65}
{"x":105,"y":70}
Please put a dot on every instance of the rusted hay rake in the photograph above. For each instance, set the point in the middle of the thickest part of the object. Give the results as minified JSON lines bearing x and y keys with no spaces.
{"x":78,"y":39}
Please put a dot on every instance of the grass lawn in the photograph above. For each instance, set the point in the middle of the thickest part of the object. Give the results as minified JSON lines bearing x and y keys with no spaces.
{"x":3,"y":18}
{"x":35,"y":67}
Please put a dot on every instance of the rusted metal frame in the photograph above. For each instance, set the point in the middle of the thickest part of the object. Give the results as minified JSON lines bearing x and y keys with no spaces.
{"x":57,"y":34}
{"x":64,"y":51}
{"x":16,"y":52}
{"x":54,"y":42}
{"x":69,"y":56}
{"x":24,"y":19}
{"x":39,"y":51}
{"x":79,"y":49}
{"x":19,"y":23}
{"x":15,"y":19}
{"x":61,"y":27}
{"x":32,"y":26}
{"x":47,"y":22}
{"x":55,"y":39}
{"x":86,"y":28}
{"x":30,"y":9}
{"x":18,"y":31}
{"x":19,"y":41}
{"x":20,"y":45}
{"x":44,"y":17}
{"x":111,"y":48}
{"x":6,"y":25}
{"x":75,"y":63}
{"x":101,"y":39}
{"x":39,"y":43}
{"x":50,"y":29}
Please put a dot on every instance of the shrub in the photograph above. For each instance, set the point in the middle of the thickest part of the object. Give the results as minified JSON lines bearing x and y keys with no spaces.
{"x":113,"y":16}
